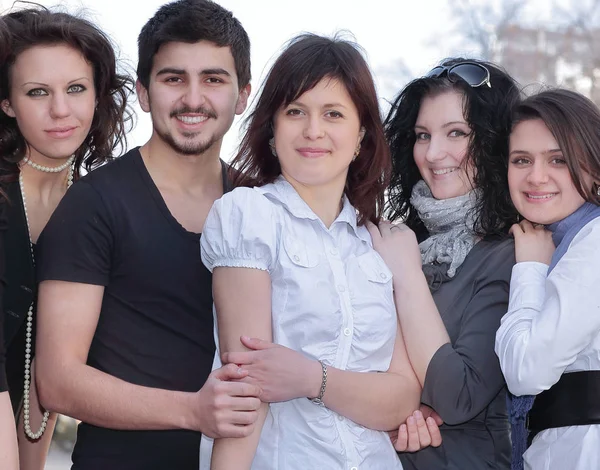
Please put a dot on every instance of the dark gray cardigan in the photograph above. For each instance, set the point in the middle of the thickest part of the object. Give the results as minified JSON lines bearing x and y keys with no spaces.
{"x":464,"y":383}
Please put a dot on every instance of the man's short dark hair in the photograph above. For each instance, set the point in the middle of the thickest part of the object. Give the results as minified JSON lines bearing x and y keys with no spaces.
{"x":192,"y":21}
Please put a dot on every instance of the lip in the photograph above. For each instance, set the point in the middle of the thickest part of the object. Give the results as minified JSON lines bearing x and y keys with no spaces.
{"x":441,"y":173}
{"x":539,"y":197}
{"x":191,"y":121}
{"x":61,"y":132}
{"x":312,"y":152}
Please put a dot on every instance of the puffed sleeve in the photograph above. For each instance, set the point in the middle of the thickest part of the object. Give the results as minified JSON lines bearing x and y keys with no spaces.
{"x":241,"y":231}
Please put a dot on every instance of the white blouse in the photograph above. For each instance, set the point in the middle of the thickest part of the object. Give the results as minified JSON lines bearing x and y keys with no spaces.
{"x":552,"y":327}
{"x":331,"y":300}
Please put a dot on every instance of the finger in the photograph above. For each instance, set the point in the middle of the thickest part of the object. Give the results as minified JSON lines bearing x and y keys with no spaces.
{"x":256,"y":343}
{"x":424,"y":437}
{"x":402,"y":441}
{"x":240,"y":389}
{"x":244,"y":404}
{"x":229,"y":372}
{"x":526,"y":225}
{"x":515,"y":230}
{"x":436,"y":418}
{"x":235,"y":430}
{"x":239,"y":357}
{"x":374,"y":231}
{"x":434,"y":432}
{"x":413,"y":435}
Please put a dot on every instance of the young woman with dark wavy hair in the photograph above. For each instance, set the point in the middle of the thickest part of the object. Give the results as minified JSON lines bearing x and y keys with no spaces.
{"x":293,"y":264}
{"x":448,"y":131}
{"x":63,"y":108}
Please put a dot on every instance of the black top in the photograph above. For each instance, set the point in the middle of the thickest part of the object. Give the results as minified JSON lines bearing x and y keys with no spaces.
{"x":19,"y":293}
{"x":155,"y":328}
{"x":464,"y":383}
{"x":3,"y":382}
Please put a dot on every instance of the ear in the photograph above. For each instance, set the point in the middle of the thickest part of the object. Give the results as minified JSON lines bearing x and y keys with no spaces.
{"x":142,"y":95}
{"x":7,"y":108}
{"x":242,"y":102}
{"x":361,"y":134}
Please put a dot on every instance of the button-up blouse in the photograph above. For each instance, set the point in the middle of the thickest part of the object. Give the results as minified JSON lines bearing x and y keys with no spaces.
{"x":331,"y":300}
{"x":553,"y":327}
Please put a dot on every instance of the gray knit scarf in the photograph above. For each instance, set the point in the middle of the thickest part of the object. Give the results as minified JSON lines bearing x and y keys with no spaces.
{"x":450,"y":226}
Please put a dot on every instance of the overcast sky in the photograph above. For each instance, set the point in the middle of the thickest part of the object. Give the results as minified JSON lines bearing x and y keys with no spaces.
{"x":417,"y":32}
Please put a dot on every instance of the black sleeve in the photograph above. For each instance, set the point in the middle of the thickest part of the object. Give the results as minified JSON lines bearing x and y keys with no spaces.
{"x":462,"y":379}
{"x":3,"y":381}
{"x":76,"y":244}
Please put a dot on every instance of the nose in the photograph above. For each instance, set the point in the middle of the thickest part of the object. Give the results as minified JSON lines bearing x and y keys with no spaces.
{"x":436,"y":150}
{"x":59,"y":107}
{"x":194,"y":96}
{"x":538,"y":174}
{"x":314,"y":128}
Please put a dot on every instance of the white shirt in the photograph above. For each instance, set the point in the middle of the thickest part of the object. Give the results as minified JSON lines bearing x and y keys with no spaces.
{"x":552,"y":327}
{"x":331,"y":300}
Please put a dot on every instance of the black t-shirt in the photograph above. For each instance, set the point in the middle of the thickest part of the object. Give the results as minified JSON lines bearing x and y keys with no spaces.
{"x":3,"y":381}
{"x":155,"y":329}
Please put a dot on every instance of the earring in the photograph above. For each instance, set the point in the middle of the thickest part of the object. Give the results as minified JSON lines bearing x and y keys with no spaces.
{"x":356,"y":152}
{"x":596,"y":189}
{"x":272,"y":146}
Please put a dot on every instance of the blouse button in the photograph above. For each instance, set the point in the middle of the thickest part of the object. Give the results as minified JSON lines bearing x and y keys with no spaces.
{"x":347,"y":331}
{"x":383,"y":276}
{"x":354,"y":468}
{"x":334,"y":252}
{"x":341,"y":288}
{"x":296,"y":258}
{"x":340,"y":418}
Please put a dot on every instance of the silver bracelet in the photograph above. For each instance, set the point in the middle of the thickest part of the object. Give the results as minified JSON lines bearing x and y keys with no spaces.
{"x":319,"y":399}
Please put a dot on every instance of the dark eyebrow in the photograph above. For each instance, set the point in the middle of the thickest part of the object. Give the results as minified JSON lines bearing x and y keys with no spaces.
{"x":519,"y":152}
{"x":216,"y":71}
{"x":417,"y":126}
{"x":172,"y":70}
{"x":452,"y":123}
{"x":79,"y":79}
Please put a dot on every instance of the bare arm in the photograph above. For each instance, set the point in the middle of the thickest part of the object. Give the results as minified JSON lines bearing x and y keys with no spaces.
{"x":243,"y":302}
{"x":33,"y":454}
{"x":68,"y":313}
{"x":8,"y":438}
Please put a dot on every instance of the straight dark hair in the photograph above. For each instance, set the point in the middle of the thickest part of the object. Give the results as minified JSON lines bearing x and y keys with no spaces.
{"x":24,"y":29}
{"x":574,"y":121}
{"x":306,"y":61}
{"x":192,"y":21}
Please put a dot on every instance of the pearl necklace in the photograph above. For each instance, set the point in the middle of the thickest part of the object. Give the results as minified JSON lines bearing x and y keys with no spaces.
{"x":27,"y":382}
{"x":49,"y":169}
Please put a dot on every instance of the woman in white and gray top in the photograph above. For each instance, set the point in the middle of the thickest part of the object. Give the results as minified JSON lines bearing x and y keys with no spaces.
{"x":549,"y":341}
{"x":293,"y":263}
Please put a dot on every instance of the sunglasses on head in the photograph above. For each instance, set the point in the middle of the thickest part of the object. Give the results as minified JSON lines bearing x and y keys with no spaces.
{"x":471,"y":72}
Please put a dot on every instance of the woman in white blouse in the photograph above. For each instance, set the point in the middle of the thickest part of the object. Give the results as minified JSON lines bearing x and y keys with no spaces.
{"x":293,"y":264}
{"x":549,"y":341}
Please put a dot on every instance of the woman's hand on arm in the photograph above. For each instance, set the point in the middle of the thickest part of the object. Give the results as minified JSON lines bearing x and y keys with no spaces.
{"x":421,"y":430}
{"x":422,"y":326}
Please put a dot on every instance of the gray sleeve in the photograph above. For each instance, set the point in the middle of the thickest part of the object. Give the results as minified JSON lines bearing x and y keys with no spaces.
{"x":463,"y":378}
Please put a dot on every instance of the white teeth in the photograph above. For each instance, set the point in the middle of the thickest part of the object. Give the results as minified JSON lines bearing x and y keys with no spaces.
{"x":443,"y":171}
{"x":192,"y":120}
{"x":545,"y":196}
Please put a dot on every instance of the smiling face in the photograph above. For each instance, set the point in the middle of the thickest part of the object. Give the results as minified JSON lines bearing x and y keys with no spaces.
{"x":317,"y":135}
{"x":52,"y":98}
{"x":442,"y":139}
{"x":540,"y":184}
{"x":193,"y":96}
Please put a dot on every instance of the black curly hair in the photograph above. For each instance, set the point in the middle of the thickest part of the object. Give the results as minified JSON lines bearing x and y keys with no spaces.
{"x":487,"y":110}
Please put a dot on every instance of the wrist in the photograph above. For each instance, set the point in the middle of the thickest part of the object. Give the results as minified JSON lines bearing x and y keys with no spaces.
{"x":315,"y":379}
{"x":186,"y":415}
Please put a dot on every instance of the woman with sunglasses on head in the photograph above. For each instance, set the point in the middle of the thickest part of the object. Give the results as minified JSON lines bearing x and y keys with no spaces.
{"x":549,"y":341}
{"x":447,"y":132}
{"x":62,"y":108}
{"x":293,"y":263}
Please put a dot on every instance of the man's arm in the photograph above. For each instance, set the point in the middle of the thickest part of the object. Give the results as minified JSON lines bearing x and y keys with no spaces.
{"x":67,"y":314}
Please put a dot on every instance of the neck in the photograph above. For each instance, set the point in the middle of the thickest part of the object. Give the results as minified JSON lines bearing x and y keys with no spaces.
{"x":181,"y":172}
{"x":324,"y":200}
{"x":43,"y":182}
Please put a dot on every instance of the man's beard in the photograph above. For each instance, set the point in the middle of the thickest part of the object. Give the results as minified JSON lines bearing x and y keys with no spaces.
{"x":186,"y":148}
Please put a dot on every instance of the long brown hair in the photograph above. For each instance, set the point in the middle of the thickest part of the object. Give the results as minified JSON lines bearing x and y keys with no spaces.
{"x":30,"y":27}
{"x":306,"y":61}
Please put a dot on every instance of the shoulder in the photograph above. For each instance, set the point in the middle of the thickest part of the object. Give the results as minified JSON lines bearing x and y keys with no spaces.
{"x":113,"y":174}
{"x":248,"y":202}
{"x":496,"y":258}
{"x":588,"y":235}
